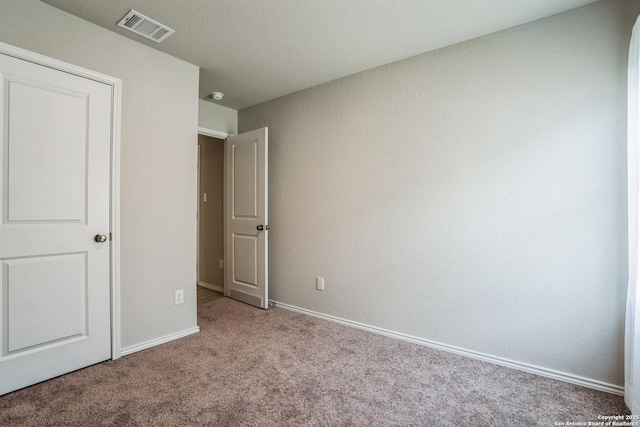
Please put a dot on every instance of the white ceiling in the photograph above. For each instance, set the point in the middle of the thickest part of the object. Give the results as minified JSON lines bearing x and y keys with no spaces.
{"x":254,"y":51}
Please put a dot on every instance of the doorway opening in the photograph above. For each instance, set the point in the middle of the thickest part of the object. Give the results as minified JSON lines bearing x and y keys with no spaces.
{"x":210,"y":266}
{"x":240,"y":168}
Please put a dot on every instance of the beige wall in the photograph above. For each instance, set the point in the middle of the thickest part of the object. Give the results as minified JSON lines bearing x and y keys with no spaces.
{"x":158,"y":159}
{"x":211,"y":213}
{"x":473,"y":196}
{"x":216,"y":117}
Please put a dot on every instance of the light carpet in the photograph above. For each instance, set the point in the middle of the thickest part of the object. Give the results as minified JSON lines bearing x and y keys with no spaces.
{"x":279,"y":368}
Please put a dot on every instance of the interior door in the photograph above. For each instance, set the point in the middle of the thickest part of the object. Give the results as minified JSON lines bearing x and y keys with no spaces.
{"x":247,"y":228}
{"x":55,"y":132}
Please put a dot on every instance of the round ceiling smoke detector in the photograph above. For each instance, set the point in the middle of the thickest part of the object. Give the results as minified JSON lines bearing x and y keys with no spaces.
{"x":217,"y":95}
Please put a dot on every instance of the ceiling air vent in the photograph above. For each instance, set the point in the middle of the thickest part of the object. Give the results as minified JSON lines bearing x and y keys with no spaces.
{"x":145,"y":27}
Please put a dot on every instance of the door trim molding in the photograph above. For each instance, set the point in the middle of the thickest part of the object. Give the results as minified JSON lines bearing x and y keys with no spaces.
{"x":213,"y":133}
{"x":116,"y":109}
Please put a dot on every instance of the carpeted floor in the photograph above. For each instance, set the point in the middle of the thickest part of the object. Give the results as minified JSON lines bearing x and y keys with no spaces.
{"x":278,"y":368}
{"x":205,"y":295}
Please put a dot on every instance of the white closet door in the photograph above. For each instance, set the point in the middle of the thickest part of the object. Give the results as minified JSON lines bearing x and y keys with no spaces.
{"x":55,"y":129}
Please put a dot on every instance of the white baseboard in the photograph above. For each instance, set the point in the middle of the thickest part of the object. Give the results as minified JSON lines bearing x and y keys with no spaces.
{"x":550,"y":373}
{"x":158,"y":341}
{"x":212,"y":287}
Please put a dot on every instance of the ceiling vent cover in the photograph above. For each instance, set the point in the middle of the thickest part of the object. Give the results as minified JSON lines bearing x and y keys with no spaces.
{"x":145,"y":27}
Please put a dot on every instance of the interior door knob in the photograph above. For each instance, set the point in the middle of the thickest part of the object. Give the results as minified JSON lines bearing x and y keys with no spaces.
{"x":100,"y":238}
{"x":260,"y":227}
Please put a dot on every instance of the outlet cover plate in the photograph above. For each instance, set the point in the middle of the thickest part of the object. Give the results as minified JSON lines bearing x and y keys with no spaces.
{"x":178,"y":296}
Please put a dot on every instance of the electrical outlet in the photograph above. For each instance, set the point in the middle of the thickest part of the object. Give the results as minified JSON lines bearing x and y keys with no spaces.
{"x":178,"y":296}
{"x":320,"y":283}
{"x":221,"y":264}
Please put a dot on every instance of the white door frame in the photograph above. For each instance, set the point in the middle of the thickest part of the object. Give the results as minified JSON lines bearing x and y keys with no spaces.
{"x":214,"y":133}
{"x":116,"y":108}
{"x":220,"y":135}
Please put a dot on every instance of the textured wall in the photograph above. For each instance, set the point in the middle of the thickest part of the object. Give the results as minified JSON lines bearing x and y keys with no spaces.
{"x":158,"y":159}
{"x":474,"y":195}
{"x":216,"y":117}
